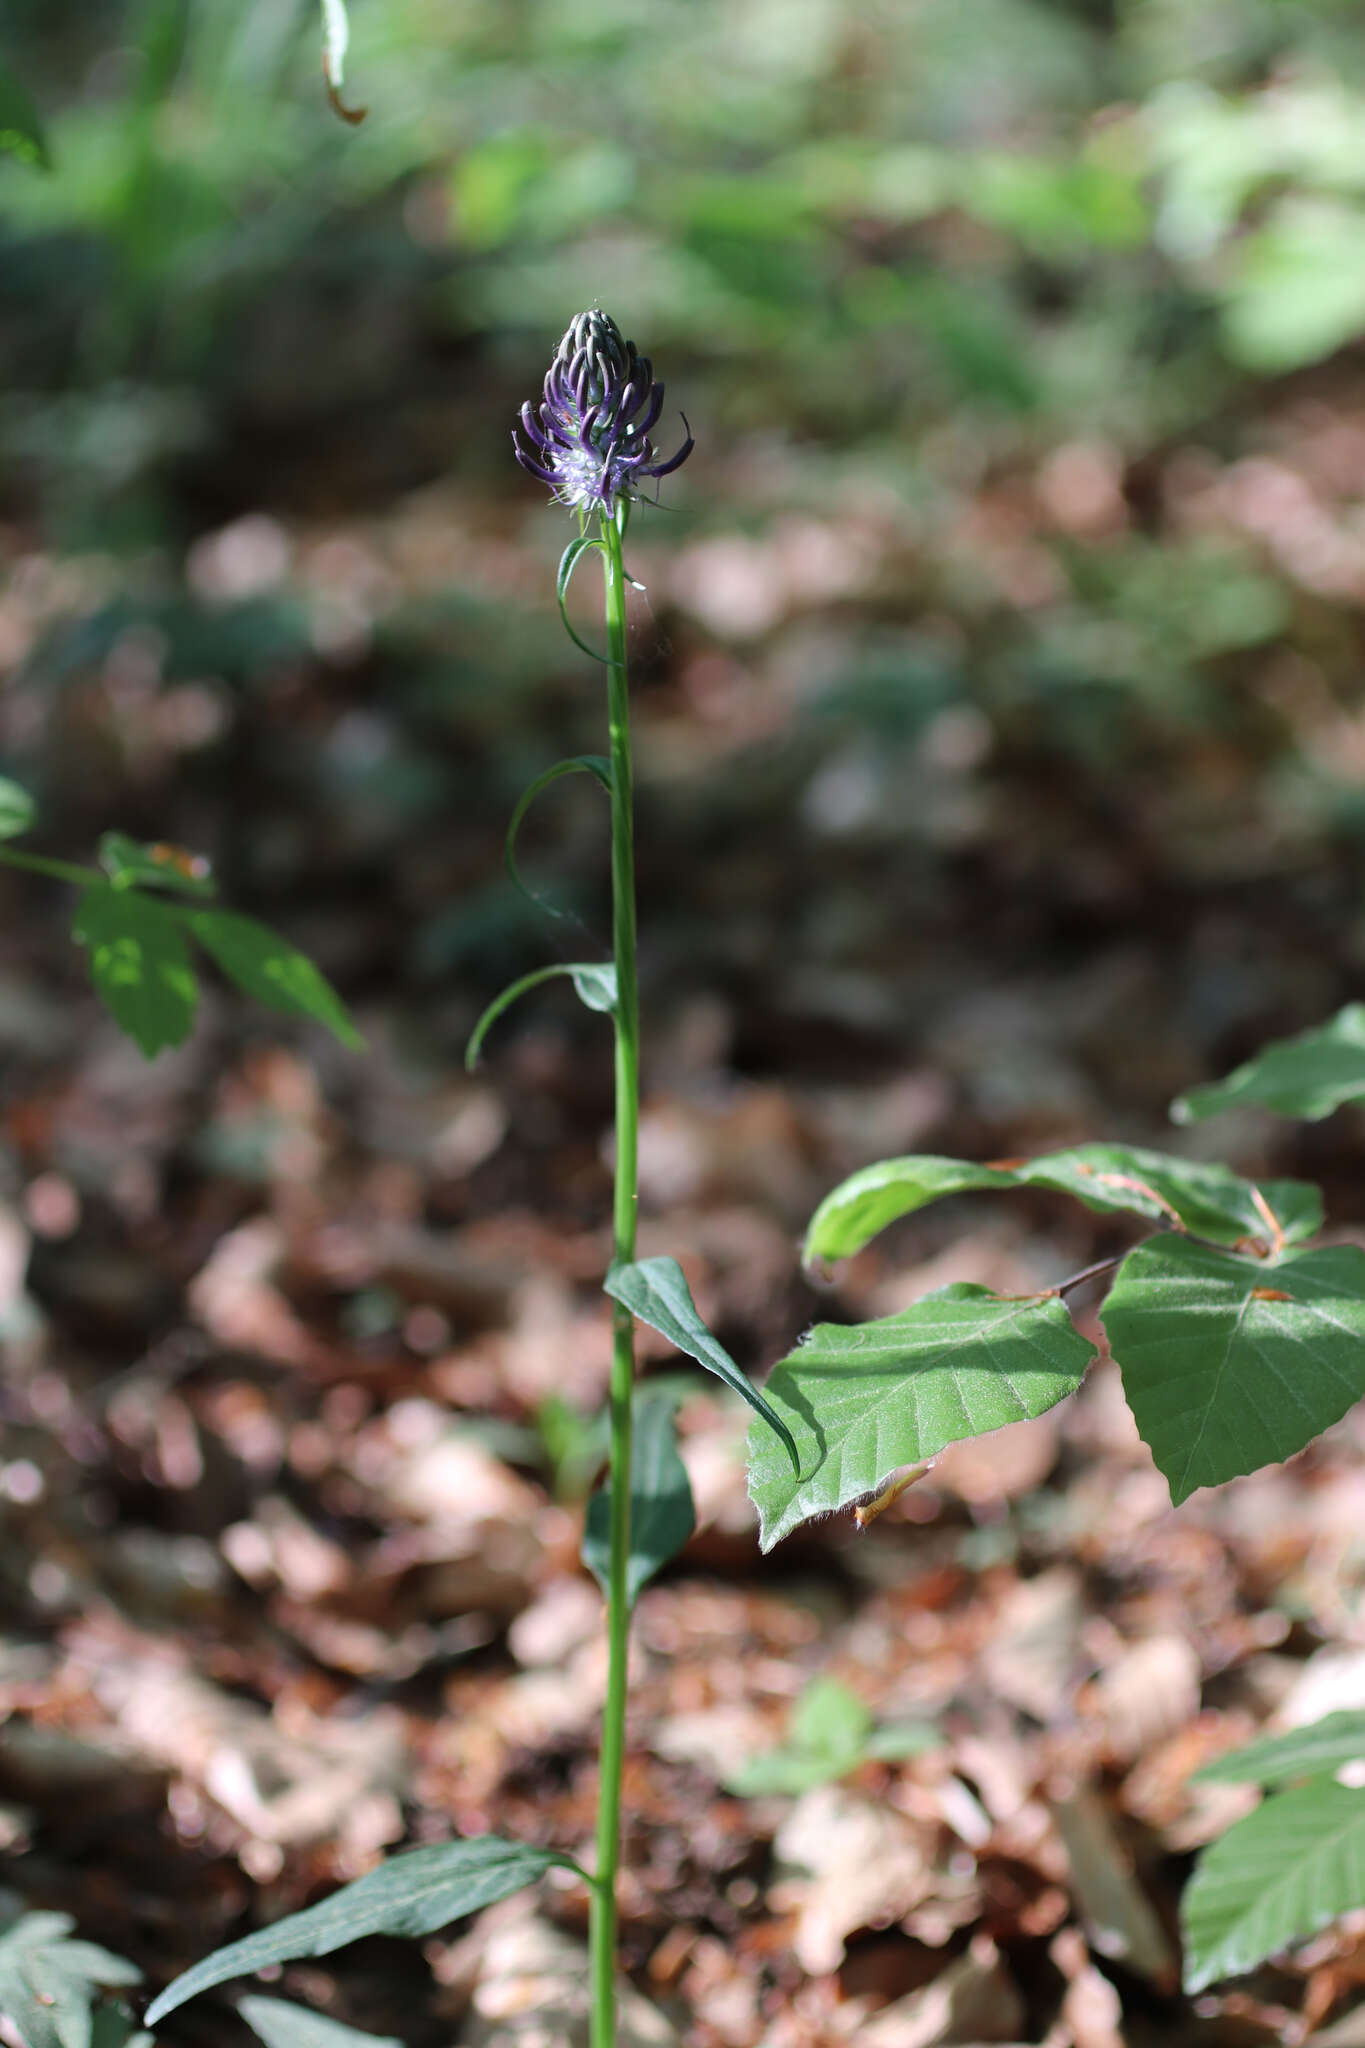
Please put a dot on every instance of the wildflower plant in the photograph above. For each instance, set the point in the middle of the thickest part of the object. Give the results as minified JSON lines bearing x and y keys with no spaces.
{"x":1237,"y":1341}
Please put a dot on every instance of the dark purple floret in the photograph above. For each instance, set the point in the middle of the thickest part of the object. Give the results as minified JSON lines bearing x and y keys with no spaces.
{"x":588,"y":439}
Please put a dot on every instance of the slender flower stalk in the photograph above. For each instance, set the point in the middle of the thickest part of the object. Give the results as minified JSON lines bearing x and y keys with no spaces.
{"x":589,"y":440}
{"x":602,"y":1932}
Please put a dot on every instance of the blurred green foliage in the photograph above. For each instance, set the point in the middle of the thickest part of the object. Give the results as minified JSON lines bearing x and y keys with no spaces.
{"x":1018,"y":279}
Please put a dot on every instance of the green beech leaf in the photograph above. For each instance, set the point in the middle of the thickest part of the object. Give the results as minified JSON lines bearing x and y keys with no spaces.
{"x":1274,"y":1878}
{"x":127,"y":862}
{"x":578,"y":764}
{"x":662,"y":1516}
{"x":410,"y":1895}
{"x":268,"y":968}
{"x":1231,"y":1363}
{"x":656,"y":1291}
{"x":865,"y":1400}
{"x":1310,"y":1752}
{"x":1307,"y":1076}
{"x":21,"y":131}
{"x":1209,"y":1201}
{"x":594,"y":984}
{"x":282,"y":2025}
{"x":580,"y":545}
{"x":49,"y":1984}
{"x":17,"y":809}
{"x":139,"y":963}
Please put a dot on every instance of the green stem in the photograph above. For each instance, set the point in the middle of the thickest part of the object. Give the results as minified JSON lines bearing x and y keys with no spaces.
{"x":602,"y":1932}
{"x":57,"y":870}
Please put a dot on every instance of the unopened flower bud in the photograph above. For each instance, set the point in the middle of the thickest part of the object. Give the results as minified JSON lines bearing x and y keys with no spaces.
{"x":588,"y":439}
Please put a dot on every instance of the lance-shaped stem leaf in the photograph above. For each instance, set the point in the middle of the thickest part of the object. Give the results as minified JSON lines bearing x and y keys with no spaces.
{"x":410,"y":1895}
{"x":578,"y":764}
{"x":662,"y":1516}
{"x":282,"y":2025}
{"x":656,"y":1291}
{"x":594,"y":984}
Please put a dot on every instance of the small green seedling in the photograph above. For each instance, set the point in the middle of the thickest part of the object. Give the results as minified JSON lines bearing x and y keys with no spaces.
{"x":831,"y":1733}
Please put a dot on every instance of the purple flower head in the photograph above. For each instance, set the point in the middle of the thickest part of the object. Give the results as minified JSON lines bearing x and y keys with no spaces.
{"x":589,"y":437}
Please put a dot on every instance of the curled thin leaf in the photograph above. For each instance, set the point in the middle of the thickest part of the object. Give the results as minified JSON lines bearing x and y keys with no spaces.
{"x":594,"y":984}
{"x":578,"y":764}
{"x":568,"y":562}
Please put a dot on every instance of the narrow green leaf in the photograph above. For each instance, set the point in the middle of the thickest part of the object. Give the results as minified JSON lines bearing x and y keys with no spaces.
{"x":579,"y":764}
{"x":268,"y":968}
{"x":865,"y":1400}
{"x":1323,"y":1746}
{"x":127,"y":862}
{"x":1231,"y":1363}
{"x":1209,"y":1201}
{"x":49,"y":1983}
{"x":282,"y":2025}
{"x":573,"y":554}
{"x":1274,"y":1878}
{"x":139,"y":963}
{"x":594,"y":984}
{"x":662,"y":1516}
{"x":21,"y":130}
{"x":409,"y":1896}
{"x":17,"y":809}
{"x":656,"y":1291}
{"x":1308,"y":1076}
